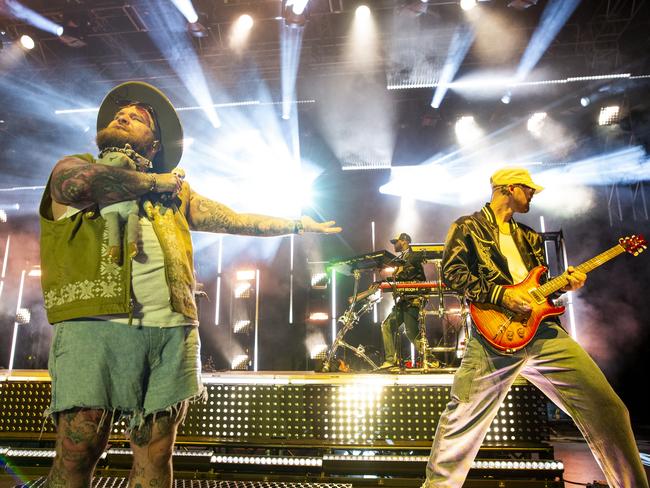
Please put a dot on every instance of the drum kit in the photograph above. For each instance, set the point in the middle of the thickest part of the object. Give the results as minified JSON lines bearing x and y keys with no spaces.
{"x":428,"y":292}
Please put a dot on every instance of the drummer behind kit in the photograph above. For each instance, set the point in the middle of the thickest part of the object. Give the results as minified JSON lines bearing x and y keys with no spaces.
{"x":362,"y":302}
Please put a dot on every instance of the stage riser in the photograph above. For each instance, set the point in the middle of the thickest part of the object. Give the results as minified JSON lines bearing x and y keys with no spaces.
{"x":497,"y":481}
{"x":329,"y":413}
{"x":361,"y":463}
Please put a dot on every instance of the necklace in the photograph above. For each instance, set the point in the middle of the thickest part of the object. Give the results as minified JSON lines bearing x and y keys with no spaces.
{"x":142,"y":164}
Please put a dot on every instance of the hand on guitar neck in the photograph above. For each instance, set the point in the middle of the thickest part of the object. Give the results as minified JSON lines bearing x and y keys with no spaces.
{"x":575,"y":279}
{"x":519,"y":300}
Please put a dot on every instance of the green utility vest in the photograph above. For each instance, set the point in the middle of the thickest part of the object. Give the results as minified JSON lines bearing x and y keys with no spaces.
{"x":80,"y":280}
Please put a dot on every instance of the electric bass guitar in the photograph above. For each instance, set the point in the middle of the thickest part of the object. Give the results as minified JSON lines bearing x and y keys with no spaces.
{"x":509,"y":331}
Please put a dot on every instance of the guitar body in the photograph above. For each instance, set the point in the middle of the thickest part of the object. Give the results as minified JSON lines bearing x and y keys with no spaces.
{"x":507,"y":331}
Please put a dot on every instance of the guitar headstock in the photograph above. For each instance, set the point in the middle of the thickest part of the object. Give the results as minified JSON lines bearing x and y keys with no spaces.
{"x":635,"y":245}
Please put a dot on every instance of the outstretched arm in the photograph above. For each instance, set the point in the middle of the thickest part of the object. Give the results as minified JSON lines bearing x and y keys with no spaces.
{"x":210,"y":216}
{"x":78,"y":183}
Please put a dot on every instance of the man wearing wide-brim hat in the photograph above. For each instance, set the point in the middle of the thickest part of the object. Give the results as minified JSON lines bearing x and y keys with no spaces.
{"x":125,"y":333}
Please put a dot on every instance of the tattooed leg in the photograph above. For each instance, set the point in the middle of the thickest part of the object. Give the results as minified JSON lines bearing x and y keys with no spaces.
{"x":80,"y":442}
{"x":152,"y":446}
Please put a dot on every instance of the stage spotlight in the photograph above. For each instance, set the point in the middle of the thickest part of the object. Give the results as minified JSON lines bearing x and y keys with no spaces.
{"x":522,"y":4}
{"x":295,"y":14}
{"x":505,"y":99}
{"x":318,"y":316}
{"x":608,"y":115}
{"x":245,"y":22}
{"x":242,"y":289}
{"x":467,"y":131}
{"x":536,"y":123}
{"x":241,"y":326}
{"x":197,"y":29}
{"x":240,"y":31}
{"x":246,"y":274}
{"x":318,"y":351}
{"x":23,"y":316}
{"x":467,"y":4}
{"x":584,"y":101}
{"x":35,"y":271}
{"x":27,"y":42}
{"x":297,"y":6}
{"x":362,"y":12}
{"x":3,"y":216}
{"x":319,"y":281}
{"x":239,"y":362}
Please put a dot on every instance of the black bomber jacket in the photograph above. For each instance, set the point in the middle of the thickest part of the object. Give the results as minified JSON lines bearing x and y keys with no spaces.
{"x":472,"y":263}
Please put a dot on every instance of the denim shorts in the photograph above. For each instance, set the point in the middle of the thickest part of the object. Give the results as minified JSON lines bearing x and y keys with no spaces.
{"x":131,"y":371}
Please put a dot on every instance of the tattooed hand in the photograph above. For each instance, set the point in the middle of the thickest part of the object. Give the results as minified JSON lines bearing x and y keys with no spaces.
{"x":167,"y":183}
{"x":210,"y":216}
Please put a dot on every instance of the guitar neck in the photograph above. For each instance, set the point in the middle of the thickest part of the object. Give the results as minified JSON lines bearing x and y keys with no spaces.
{"x":560,"y":282}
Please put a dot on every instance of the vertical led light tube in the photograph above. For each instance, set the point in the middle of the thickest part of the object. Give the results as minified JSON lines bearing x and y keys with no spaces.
{"x":18,"y":305}
{"x":217,"y":306}
{"x":257,"y":317}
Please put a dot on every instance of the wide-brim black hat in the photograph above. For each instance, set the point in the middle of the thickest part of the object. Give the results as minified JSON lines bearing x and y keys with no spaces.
{"x":169,"y":125}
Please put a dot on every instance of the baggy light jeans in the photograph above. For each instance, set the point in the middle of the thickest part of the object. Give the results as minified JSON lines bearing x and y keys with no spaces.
{"x":565,"y":373}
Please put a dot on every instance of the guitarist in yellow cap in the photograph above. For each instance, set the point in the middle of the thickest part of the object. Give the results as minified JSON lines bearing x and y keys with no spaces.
{"x":486,"y":253}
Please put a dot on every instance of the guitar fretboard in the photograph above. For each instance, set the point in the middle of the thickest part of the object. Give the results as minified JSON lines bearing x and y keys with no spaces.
{"x":559,"y":282}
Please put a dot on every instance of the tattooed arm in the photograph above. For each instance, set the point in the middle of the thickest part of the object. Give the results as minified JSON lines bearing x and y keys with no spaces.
{"x":78,"y":183}
{"x":210,"y":216}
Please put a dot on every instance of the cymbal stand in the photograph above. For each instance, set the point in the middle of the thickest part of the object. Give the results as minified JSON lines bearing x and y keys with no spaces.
{"x":348,"y":320}
{"x":423,"y":343}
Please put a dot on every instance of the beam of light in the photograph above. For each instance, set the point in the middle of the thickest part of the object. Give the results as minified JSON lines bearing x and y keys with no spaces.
{"x":187,"y":9}
{"x":290,"y":46}
{"x":240,"y":32}
{"x":408,"y":219}
{"x":461,"y":41}
{"x":167,"y":31}
{"x":556,"y":13}
{"x":362,"y":47}
{"x":568,"y":188}
{"x":19,"y":11}
{"x":467,"y":130}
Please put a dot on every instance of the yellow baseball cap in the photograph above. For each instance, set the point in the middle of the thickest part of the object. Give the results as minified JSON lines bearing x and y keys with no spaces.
{"x":514,"y":176}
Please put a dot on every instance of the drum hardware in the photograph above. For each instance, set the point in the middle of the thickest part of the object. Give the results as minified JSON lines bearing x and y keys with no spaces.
{"x":348,"y":320}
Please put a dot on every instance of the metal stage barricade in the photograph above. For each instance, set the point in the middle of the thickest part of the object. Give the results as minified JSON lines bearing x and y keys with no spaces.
{"x":293,"y":429}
